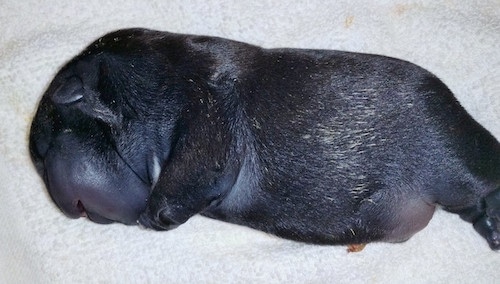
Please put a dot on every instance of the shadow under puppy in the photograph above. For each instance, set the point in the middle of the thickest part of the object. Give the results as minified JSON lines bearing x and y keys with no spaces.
{"x":318,"y":146}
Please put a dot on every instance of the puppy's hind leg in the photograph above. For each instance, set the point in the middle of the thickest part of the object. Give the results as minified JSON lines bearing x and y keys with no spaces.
{"x":470,"y":185}
{"x":484,"y":215}
{"x":487,"y":224}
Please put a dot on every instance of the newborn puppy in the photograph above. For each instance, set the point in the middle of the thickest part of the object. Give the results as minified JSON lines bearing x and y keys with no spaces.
{"x":318,"y":146}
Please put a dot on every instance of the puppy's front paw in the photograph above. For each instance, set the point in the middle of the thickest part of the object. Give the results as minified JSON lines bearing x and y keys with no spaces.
{"x":163,"y":213}
{"x":159,"y":221}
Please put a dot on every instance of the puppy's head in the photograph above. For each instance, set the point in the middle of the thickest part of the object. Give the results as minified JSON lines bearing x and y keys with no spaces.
{"x":103,"y":129}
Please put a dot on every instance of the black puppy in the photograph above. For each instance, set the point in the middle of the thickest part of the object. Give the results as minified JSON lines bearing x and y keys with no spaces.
{"x":318,"y":146}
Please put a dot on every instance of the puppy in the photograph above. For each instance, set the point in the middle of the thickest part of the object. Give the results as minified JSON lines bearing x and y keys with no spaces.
{"x":318,"y":146}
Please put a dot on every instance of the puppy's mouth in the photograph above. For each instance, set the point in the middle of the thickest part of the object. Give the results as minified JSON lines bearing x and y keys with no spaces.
{"x":103,"y":188}
{"x":96,"y":218}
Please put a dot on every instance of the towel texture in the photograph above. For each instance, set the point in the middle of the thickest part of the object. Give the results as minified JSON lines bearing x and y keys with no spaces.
{"x":457,"y":40}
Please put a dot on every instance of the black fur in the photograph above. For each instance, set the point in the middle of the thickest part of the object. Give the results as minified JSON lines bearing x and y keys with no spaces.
{"x":313,"y":145}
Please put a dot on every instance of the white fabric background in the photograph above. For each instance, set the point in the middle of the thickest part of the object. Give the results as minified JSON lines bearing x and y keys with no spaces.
{"x":457,"y":40}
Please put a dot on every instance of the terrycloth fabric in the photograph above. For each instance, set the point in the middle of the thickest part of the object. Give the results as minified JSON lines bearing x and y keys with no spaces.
{"x":457,"y":40}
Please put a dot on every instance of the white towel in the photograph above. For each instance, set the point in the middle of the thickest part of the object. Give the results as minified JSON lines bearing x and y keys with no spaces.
{"x":457,"y":40}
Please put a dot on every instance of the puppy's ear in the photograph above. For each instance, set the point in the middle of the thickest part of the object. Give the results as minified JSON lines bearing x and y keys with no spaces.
{"x":68,"y":92}
{"x":78,"y":88}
